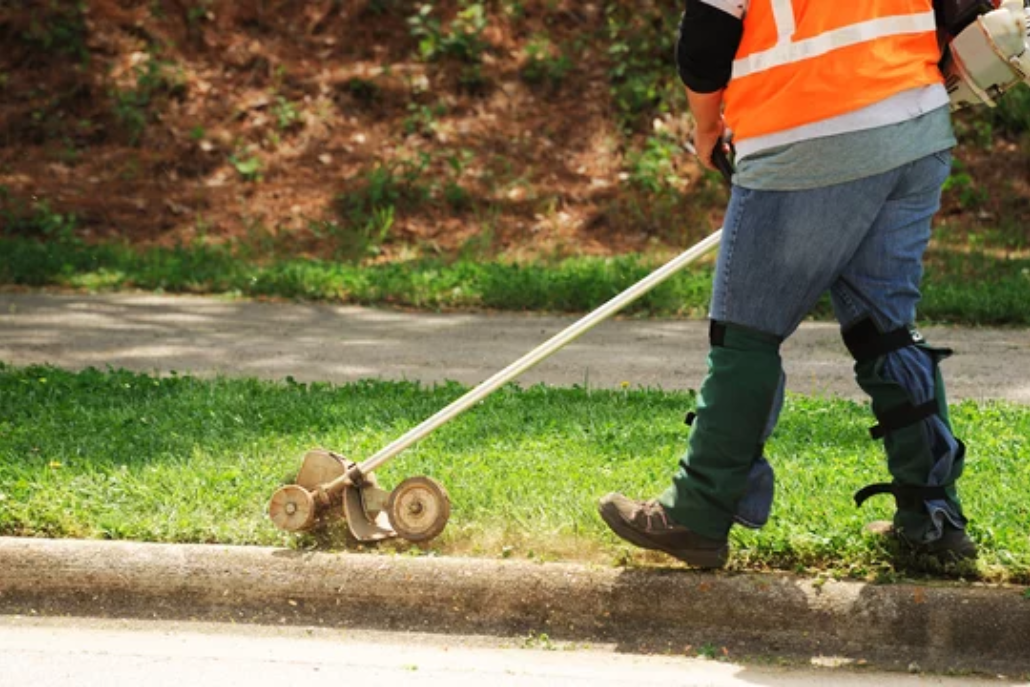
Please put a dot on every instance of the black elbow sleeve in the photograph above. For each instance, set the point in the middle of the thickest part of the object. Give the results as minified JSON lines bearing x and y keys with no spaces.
{"x":706,"y":45}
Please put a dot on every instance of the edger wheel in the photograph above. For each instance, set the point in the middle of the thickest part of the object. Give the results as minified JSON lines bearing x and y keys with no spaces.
{"x":292,"y":508}
{"x":418,"y":509}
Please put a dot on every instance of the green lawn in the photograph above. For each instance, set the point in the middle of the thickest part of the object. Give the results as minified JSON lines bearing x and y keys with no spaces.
{"x":113,"y":454}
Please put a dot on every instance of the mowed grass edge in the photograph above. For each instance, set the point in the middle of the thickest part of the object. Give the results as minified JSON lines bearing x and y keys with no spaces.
{"x":120,"y":455}
{"x":968,"y":288}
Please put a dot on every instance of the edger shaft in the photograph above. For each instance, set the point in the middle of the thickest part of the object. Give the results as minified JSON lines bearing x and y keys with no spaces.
{"x":541,"y":352}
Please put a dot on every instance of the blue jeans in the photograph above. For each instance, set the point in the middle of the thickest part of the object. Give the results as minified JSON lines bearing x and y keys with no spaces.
{"x":863,"y":241}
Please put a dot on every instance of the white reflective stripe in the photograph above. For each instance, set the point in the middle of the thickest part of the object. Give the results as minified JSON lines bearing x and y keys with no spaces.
{"x":788,"y":52}
{"x":783,"y":13}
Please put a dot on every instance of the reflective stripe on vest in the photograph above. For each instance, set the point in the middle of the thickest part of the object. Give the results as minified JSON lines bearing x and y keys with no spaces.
{"x":804,"y":61}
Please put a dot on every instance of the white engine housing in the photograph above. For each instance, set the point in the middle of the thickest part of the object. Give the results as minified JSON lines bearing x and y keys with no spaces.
{"x":988,"y":57}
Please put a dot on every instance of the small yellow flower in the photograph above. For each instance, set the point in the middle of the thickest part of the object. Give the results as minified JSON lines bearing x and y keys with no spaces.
{"x":55,"y":464}
{"x":625,"y":385}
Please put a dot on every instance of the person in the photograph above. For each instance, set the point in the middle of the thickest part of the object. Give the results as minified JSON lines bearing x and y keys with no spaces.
{"x":842,"y":132}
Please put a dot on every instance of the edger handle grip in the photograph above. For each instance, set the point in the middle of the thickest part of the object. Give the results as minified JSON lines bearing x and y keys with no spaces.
{"x":722,"y":162}
{"x":720,"y":159}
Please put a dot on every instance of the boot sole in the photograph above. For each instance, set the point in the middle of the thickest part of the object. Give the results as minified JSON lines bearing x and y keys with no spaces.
{"x":698,"y":558}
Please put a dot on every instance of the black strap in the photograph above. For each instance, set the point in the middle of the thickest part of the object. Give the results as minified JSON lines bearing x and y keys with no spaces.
{"x":867,"y":342}
{"x":903,"y":416}
{"x":906,"y":496}
{"x":717,"y":333}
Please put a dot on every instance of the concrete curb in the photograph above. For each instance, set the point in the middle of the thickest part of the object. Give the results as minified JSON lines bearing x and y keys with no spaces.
{"x":938,"y":627}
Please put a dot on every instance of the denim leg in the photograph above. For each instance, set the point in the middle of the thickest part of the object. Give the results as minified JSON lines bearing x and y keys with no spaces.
{"x":882,"y":281}
{"x":781,"y":250}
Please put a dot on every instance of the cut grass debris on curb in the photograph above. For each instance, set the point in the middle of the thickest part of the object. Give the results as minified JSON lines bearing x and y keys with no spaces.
{"x":974,"y":289}
{"x":120,"y":455}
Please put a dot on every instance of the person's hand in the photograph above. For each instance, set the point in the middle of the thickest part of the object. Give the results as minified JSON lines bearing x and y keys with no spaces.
{"x":706,"y":137}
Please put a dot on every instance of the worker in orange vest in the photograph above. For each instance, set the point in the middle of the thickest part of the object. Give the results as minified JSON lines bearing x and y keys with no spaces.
{"x":842,"y":133}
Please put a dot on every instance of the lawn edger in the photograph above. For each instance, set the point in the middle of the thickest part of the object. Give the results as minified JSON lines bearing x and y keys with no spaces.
{"x":418,"y":508}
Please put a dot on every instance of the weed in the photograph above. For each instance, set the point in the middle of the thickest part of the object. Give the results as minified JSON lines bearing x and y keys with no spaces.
{"x":286,"y":113}
{"x":540,"y":640}
{"x":248,"y":166}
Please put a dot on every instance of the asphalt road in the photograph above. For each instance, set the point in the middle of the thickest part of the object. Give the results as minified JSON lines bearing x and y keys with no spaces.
{"x":310,"y":342}
{"x":58,"y":652}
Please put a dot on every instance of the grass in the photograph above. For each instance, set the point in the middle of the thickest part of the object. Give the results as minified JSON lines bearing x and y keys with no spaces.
{"x":118,"y":455}
{"x":974,"y":288}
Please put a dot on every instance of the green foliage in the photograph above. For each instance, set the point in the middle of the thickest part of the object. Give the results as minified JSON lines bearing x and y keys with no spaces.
{"x":58,"y":28}
{"x":370,"y":207}
{"x":1012,"y":115}
{"x":422,"y":119}
{"x":198,"y":12}
{"x":363,"y":90}
{"x":133,"y":106}
{"x":545,"y":65}
{"x":384,"y":185}
{"x":37,"y":221}
{"x":380,"y":7}
{"x":653,"y":169}
{"x":640,"y":53}
{"x":461,"y":41}
{"x":970,"y":194}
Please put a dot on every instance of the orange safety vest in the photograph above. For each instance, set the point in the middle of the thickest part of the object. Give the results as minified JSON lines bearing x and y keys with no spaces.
{"x":803,"y":61}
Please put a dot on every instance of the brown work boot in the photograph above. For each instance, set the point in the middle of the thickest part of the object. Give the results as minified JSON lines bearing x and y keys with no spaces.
{"x":954,"y":546}
{"x":646,"y":524}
